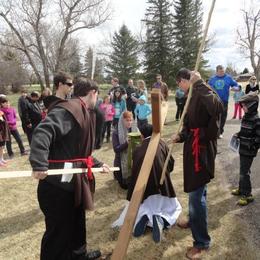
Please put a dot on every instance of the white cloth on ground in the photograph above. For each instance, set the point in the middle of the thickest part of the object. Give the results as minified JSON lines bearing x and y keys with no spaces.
{"x":168,"y":208}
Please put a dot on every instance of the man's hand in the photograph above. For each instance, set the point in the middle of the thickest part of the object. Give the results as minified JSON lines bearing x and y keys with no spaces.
{"x":39,"y":175}
{"x":105,"y":168}
{"x":176,"y":138}
{"x":195,"y":76}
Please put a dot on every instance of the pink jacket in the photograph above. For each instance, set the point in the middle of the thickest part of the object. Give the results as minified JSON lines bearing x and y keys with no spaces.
{"x":108,"y":111}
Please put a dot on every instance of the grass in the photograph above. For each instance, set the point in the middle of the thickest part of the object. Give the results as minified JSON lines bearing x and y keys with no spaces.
{"x":22,"y":223}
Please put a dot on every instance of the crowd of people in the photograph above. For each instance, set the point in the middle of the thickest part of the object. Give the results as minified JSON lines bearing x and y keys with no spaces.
{"x":63,"y":130}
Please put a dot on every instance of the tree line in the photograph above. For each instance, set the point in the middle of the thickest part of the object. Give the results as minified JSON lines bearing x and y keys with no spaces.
{"x":39,"y":39}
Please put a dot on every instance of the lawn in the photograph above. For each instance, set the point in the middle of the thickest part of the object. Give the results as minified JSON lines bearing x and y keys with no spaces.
{"x":22,"y":223}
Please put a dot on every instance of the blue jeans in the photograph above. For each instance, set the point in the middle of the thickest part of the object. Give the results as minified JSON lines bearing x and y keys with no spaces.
{"x":198,"y":217}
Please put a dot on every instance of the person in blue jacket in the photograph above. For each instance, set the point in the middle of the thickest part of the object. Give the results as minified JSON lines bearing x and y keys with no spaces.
{"x":222,"y":83}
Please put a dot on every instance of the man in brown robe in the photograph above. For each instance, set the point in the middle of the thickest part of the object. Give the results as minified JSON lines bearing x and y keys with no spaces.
{"x":199,"y":134}
{"x":160,"y":207}
{"x":66,"y":136}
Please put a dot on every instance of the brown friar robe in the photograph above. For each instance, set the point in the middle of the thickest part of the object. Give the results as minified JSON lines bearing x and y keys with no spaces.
{"x":84,"y":188}
{"x":153,"y":185}
{"x":199,"y":134}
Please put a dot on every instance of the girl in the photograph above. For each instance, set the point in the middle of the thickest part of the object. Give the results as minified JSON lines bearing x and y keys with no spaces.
{"x":119,"y":105}
{"x":109,"y":112}
{"x":120,"y":146}
{"x":10,"y":115}
{"x":4,"y":136}
{"x":237,"y":95}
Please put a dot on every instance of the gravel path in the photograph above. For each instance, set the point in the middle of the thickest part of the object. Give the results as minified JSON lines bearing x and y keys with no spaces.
{"x":228,"y":162}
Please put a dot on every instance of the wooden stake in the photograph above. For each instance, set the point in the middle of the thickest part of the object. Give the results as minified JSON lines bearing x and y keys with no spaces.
{"x":137,"y":196}
{"x":190,"y":90}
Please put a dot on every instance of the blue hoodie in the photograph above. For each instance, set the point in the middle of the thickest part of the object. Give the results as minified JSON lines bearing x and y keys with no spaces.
{"x":143,"y":111}
{"x":222,"y":86}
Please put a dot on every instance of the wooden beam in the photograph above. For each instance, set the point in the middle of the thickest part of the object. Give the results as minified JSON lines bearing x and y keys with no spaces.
{"x":137,"y":196}
{"x":156,"y":110}
{"x":17,"y":174}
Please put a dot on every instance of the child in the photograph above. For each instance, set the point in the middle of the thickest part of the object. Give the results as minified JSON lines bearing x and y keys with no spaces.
{"x":237,"y":95}
{"x":142,"y":111}
{"x":119,"y":105}
{"x":249,"y":136}
{"x":4,"y":136}
{"x":10,"y":115}
{"x":109,"y":112}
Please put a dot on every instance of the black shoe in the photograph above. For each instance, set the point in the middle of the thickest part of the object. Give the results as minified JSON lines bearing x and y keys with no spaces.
{"x":24,"y":153}
{"x":140,"y":226}
{"x":11,"y":156}
{"x":158,"y":225}
{"x":93,"y":255}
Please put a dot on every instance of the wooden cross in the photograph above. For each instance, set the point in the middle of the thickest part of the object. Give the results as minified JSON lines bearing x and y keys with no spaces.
{"x":159,"y":112}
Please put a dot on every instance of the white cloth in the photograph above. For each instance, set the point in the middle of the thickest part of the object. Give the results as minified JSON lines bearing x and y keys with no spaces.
{"x":167,"y":208}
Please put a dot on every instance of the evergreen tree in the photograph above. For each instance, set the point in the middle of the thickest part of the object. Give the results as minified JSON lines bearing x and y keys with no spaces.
{"x":123,"y":61}
{"x":88,"y":63}
{"x":245,"y":71}
{"x":188,"y":34}
{"x":99,"y":66}
{"x":159,"y":43}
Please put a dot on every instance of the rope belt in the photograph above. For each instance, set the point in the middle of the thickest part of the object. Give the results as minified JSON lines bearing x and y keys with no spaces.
{"x":196,"y":148}
{"x":88,"y":161}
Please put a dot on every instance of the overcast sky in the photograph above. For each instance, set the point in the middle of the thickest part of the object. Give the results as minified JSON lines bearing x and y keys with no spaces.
{"x":227,"y":17}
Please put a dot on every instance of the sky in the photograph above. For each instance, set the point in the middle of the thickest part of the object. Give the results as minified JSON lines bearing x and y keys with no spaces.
{"x":226,"y":18}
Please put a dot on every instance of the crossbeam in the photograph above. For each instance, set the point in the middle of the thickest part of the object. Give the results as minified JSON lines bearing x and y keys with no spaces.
{"x":17,"y":174}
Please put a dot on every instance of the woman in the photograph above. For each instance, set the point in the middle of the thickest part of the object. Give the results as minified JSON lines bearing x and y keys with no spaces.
{"x":120,"y":146}
{"x":252,"y":86}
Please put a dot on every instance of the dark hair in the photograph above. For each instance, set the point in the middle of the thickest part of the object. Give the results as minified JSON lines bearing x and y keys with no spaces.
{"x":115,"y":98}
{"x":35,"y":94}
{"x":3,"y":100}
{"x":183,"y":74}
{"x":83,"y":86}
{"x":60,"y":77}
{"x":219,"y":67}
{"x":146,"y":130}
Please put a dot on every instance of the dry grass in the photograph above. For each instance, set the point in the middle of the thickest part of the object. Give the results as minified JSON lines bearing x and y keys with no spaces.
{"x":22,"y":225}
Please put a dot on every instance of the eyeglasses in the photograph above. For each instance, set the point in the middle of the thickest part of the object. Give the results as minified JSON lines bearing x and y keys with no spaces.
{"x":68,"y":84}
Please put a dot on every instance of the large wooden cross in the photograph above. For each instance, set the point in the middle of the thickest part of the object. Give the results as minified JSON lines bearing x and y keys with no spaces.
{"x":159,"y":112}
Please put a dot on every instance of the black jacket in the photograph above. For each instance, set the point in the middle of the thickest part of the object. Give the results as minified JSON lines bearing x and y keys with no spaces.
{"x":249,"y":134}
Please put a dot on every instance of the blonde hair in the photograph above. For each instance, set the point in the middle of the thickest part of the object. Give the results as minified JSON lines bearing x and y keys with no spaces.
{"x":252,"y":78}
{"x":141,"y":84}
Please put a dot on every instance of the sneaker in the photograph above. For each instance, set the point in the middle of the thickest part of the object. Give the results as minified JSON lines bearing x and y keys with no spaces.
{"x":11,"y":156}
{"x":24,"y":153}
{"x":245,"y":200}
{"x":220,"y":136}
{"x":141,"y":226}
{"x":158,"y":225}
{"x":236,"y":192}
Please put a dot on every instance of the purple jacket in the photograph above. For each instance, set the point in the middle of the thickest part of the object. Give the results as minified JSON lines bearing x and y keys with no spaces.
{"x":10,"y":115}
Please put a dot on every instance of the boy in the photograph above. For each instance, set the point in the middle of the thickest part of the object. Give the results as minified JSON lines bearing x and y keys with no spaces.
{"x":249,"y":136}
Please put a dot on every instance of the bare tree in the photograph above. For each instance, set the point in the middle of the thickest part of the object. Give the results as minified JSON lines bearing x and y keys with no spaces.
{"x":249,"y":38}
{"x":41,"y":29}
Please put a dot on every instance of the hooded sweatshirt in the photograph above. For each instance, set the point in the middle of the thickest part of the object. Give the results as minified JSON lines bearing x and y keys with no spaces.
{"x":249,"y":134}
{"x":10,"y":115}
{"x":142,"y":111}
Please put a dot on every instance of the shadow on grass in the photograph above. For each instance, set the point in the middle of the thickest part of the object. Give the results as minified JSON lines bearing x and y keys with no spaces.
{"x":19,"y":223}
